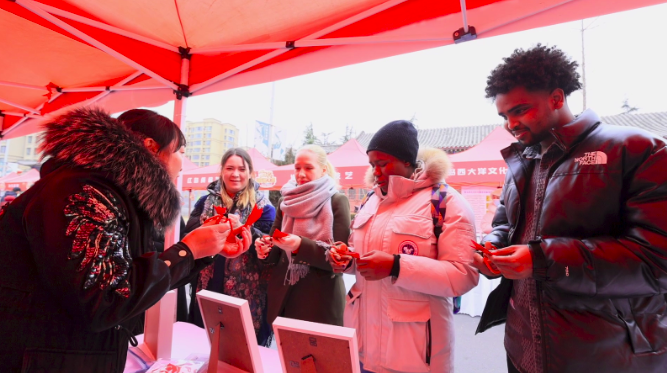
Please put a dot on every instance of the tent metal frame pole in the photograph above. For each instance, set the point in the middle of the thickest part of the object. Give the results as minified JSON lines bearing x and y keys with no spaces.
{"x":464,"y":14}
{"x":58,"y":94}
{"x":111,"y":88}
{"x":108,"y":28}
{"x":22,"y":115}
{"x":172,"y":234}
{"x":21,"y":85}
{"x":327,"y":30}
{"x":119,"y":84}
{"x":37,"y":10}
{"x":22,"y":107}
{"x":303,"y":43}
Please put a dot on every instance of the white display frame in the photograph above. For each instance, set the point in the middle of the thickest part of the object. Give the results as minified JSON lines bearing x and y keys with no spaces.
{"x":349,"y":335}
{"x":241,"y":306}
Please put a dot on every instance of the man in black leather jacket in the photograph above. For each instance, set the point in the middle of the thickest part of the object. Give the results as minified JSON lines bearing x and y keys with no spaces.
{"x":581,"y":229}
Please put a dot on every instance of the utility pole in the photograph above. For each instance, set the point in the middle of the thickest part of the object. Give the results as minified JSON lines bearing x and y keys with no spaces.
{"x":583,"y":62}
{"x":273,"y":93}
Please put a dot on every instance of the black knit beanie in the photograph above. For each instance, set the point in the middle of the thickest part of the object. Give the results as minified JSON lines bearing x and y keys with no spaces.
{"x":398,"y":138}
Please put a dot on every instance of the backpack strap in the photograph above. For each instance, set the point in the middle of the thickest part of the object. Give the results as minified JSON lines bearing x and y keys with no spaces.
{"x":438,"y":207}
{"x":363,"y":201}
{"x":438,"y":210}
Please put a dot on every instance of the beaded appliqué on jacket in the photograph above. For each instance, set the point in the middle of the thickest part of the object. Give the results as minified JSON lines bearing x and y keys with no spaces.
{"x":100,"y":231}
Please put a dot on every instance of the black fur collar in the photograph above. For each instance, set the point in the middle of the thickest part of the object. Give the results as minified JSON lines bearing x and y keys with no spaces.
{"x":93,"y":140}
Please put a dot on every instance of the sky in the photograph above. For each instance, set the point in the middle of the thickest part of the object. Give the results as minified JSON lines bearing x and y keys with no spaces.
{"x":625,"y":58}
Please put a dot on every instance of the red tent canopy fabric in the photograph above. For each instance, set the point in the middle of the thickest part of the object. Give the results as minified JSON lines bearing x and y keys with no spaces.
{"x":188,"y":165}
{"x":125,"y":54}
{"x":350,"y":161}
{"x":482,"y":164}
{"x":199,"y":178}
{"x":23,"y":181}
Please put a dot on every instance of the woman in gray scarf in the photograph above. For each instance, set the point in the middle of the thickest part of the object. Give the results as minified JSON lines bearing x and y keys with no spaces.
{"x":303,"y":285}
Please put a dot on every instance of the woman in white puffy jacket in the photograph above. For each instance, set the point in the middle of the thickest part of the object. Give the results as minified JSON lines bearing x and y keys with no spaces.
{"x":401,"y":303}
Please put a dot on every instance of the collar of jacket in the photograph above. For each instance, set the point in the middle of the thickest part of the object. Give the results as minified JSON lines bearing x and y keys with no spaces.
{"x":433,"y":167}
{"x":566,"y":136}
{"x":90,"y":139}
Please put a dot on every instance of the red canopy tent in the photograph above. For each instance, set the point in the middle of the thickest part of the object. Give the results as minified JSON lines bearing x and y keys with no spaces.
{"x":188,"y":165}
{"x":199,"y":178}
{"x":351,"y":164}
{"x":23,"y":180}
{"x":350,"y":161}
{"x":481,"y":165}
{"x":124,"y":54}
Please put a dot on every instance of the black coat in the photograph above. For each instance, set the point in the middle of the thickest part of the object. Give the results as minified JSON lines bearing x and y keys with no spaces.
{"x":601,"y":260}
{"x":76,"y":261}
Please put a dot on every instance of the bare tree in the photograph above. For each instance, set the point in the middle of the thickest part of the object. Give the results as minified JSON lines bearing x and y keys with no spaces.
{"x":627,"y":108}
{"x":349,"y":134}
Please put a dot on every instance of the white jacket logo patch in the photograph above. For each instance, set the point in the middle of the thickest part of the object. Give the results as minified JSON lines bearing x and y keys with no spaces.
{"x":592,"y":158}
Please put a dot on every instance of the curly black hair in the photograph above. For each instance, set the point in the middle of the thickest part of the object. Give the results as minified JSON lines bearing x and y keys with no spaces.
{"x":540,"y":68}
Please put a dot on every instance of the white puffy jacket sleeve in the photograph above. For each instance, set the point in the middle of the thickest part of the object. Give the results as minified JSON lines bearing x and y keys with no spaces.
{"x":452,"y":274}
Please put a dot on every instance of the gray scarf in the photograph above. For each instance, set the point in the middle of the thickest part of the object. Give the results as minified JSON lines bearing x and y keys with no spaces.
{"x":307,"y":212}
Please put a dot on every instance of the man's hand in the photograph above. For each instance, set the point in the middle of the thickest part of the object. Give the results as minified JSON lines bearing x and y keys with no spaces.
{"x":375,"y":265}
{"x":478,"y":262}
{"x":514,"y":262}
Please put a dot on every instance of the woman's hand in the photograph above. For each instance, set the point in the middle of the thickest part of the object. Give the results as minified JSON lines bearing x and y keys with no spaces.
{"x":238,"y":246}
{"x":375,"y":265}
{"x":207,"y":240}
{"x":339,"y":263}
{"x":263,"y":246}
{"x":290,"y":244}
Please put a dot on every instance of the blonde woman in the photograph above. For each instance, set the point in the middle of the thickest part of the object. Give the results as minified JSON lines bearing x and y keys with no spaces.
{"x":244,"y":276}
{"x":302,"y":284}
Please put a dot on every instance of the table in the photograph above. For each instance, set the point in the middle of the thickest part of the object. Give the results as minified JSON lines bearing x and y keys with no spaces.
{"x":190,"y":339}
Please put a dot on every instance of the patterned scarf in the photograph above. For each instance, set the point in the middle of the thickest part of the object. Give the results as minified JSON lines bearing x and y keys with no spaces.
{"x":214,"y":199}
{"x":307,"y":212}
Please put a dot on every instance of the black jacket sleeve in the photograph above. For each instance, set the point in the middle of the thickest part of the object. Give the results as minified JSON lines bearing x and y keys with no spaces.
{"x":82,"y":236}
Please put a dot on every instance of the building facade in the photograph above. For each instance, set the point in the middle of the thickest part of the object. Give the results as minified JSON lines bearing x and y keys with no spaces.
{"x":19,"y":153}
{"x":208,"y":140}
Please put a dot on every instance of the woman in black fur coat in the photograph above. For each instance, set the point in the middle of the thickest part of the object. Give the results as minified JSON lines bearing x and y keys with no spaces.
{"x":77,"y":264}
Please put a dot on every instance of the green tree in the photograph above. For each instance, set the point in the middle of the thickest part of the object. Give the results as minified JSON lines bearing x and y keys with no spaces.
{"x":309,"y":136}
{"x":290,"y":155}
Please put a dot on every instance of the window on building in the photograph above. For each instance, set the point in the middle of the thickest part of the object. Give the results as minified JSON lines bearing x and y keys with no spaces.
{"x":28,"y":151}
{"x":208,"y":128}
{"x":195,"y":157}
{"x":207,"y":142}
{"x":352,"y":193}
{"x":198,"y":128}
{"x":29,"y":139}
{"x":3,"y":149}
{"x":208,"y":135}
{"x":198,"y":136}
{"x":207,"y":150}
{"x":196,"y":150}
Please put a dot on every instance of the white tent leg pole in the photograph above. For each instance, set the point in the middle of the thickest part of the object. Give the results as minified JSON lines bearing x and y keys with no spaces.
{"x":464,"y":13}
{"x":172,"y":235}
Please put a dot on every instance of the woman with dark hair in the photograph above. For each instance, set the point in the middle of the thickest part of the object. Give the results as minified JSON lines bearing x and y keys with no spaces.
{"x":77,"y":264}
{"x":242,"y":277}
